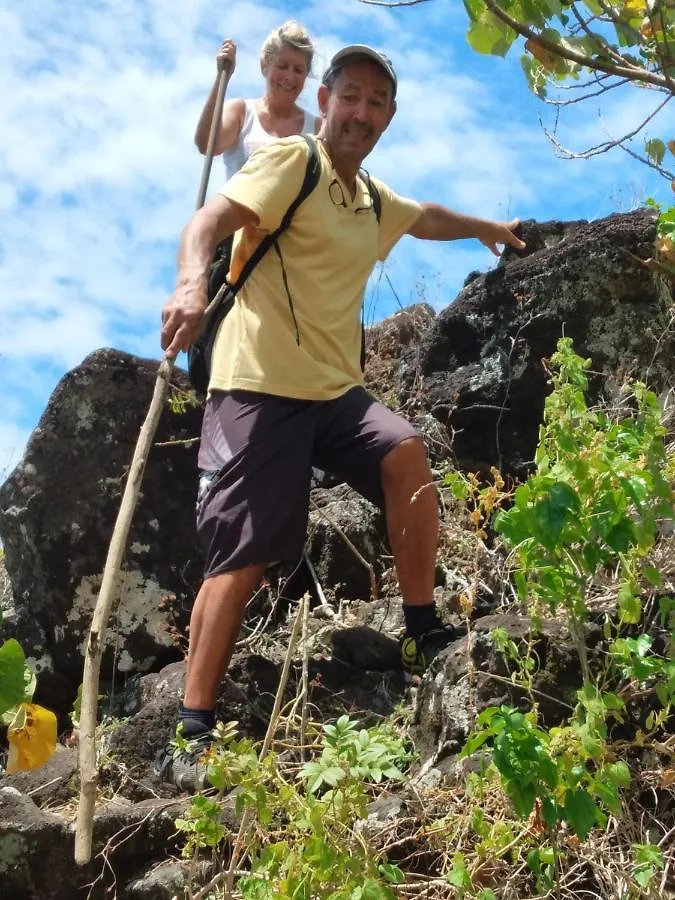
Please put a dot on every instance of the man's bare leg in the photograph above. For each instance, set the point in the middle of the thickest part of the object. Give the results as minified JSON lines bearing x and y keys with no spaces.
{"x":412,"y":519}
{"x":214,"y":626}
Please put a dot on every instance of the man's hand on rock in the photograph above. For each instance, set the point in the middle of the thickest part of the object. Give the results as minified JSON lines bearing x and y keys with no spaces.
{"x":492,"y":233}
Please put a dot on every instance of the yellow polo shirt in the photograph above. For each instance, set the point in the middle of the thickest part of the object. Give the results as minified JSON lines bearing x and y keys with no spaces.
{"x":328,"y":252}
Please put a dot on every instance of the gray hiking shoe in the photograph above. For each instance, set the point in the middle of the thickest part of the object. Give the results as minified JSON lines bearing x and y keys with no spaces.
{"x":187,"y":769}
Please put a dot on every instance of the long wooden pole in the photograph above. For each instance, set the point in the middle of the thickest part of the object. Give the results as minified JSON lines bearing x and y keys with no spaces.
{"x":113,"y":563}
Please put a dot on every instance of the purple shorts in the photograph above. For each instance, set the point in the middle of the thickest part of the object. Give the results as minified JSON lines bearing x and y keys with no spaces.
{"x":256,"y":454}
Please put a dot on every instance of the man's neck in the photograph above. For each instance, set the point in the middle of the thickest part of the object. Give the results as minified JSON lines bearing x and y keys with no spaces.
{"x":347,"y":169}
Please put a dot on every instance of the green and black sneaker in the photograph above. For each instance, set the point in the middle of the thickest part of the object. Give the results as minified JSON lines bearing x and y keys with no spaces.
{"x":417,"y":652}
{"x":187,"y":769}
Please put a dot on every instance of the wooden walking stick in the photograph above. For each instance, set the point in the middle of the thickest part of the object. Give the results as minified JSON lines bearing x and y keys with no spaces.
{"x":111,"y":571}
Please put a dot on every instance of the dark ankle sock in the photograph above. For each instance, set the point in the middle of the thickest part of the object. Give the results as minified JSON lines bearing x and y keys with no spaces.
{"x":196,"y":721}
{"x":419,"y":619}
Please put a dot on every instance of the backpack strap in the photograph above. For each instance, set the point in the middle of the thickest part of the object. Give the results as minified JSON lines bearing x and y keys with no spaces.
{"x":310,"y":181}
{"x":374,"y":194}
{"x":376,"y":200}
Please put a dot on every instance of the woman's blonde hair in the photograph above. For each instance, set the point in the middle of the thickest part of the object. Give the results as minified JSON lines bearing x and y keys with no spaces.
{"x":290,"y":34}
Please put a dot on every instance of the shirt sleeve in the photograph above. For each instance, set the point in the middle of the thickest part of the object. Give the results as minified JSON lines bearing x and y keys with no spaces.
{"x":397,"y":217}
{"x":270,"y":180}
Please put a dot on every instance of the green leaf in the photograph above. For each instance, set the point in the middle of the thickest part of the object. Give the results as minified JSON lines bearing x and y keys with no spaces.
{"x":593,"y":556}
{"x":533,"y":862}
{"x":629,"y":605}
{"x":649,"y":853}
{"x":655,"y":150}
{"x":12,"y":679}
{"x":653,"y":576}
{"x":621,"y":536}
{"x":581,"y":812}
{"x":391,"y":873}
{"x":487,"y":34}
{"x":547,"y":855}
{"x":643,"y":875}
{"x":550,"y":812}
{"x":332,"y":775}
{"x":523,"y":797}
{"x":514,"y":524}
{"x":620,"y":772}
{"x":458,"y":485}
{"x":459,"y":876}
{"x":30,"y":683}
{"x":475,"y":741}
{"x":553,"y":511}
{"x":76,"y":711}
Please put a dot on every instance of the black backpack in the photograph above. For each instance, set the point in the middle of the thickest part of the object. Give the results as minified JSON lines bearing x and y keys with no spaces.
{"x":221,"y":293}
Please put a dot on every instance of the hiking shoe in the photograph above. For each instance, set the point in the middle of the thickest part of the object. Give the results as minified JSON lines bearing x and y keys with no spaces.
{"x":187,"y":769}
{"x":418,"y":652}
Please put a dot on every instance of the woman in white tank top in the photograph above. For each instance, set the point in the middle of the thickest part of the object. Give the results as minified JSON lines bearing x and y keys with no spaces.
{"x":285,"y":61}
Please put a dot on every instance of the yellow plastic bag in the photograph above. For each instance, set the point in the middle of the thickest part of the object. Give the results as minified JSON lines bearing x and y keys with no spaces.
{"x":32,"y":738}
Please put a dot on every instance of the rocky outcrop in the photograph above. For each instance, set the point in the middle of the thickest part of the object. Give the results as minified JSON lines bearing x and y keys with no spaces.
{"x":346,"y":542}
{"x":480,"y":368}
{"x":36,"y":848}
{"x":57,"y":511}
{"x":472,"y":674}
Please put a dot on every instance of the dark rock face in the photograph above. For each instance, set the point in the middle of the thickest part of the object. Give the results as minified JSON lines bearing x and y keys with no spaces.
{"x":457,"y":682}
{"x":58,"y":509}
{"x":385,"y":343}
{"x":480,"y":364}
{"x":36,"y":848}
{"x":340,"y":523}
{"x":54,"y":782}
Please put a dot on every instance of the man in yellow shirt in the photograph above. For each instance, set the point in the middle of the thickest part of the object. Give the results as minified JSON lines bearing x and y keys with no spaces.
{"x":286,"y":389}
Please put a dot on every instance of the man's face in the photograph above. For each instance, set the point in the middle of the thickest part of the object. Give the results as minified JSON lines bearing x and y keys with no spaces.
{"x":357,"y":109}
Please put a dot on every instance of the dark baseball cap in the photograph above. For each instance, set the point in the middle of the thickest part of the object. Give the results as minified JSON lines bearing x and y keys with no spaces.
{"x":362,"y":50}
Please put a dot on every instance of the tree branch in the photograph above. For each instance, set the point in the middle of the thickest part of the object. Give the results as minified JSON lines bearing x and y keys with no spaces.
{"x":615,"y":19}
{"x":602,"y":89}
{"x":632,"y":73}
{"x":614,"y":142}
{"x":597,"y":40}
{"x":393,"y":4}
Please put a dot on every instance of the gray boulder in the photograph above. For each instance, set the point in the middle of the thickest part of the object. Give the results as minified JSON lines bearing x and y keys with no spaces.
{"x":346,"y":541}
{"x":479,"y":369}
{"x":37,"y":847}
{"x":57,"y":511}
{"x":471,"y":674}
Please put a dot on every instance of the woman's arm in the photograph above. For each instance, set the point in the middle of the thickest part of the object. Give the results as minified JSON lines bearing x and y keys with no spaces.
{"x":233,"y":110}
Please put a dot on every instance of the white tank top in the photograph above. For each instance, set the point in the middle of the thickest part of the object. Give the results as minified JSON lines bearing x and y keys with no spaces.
{"x":253,"y":136}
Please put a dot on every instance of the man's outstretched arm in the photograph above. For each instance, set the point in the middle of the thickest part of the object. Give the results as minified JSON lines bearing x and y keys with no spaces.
{"x":437,"y":223}
{"x":182,"y":313}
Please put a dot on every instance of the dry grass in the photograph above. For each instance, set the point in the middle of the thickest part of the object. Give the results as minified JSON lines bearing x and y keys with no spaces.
{"x":445,"y":822}
{"x":5,"y":586}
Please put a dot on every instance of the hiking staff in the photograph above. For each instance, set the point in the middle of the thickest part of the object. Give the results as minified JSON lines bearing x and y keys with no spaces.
{"x":113,"y":564}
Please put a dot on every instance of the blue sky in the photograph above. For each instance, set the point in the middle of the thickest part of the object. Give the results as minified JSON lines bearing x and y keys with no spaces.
{"x":98,"y":171}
